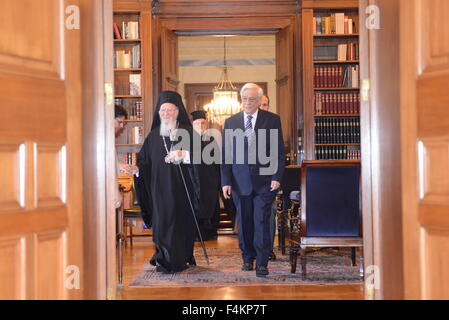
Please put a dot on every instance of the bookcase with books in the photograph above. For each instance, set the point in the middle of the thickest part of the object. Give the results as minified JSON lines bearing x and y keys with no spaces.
{"x":132,"y":84}
{"x":128,"y":83}
{"x":331,"y":84}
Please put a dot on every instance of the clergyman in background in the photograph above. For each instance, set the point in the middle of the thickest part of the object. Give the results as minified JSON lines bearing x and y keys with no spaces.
{"x":208,"y":178}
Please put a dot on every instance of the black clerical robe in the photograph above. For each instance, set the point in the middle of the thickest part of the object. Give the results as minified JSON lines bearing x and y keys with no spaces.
{"x":165,"y":204}
{"x":208,"y":188}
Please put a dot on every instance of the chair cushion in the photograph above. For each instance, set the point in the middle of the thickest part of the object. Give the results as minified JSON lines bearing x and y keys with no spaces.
{"x":332,"y":201}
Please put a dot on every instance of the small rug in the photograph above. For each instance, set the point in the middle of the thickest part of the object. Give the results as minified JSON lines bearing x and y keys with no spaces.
{"x":323,"y":266}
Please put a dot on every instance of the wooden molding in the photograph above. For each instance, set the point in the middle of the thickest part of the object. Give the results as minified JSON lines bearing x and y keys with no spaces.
{"x":132,"y":5}
{"x":226,"y":23}
{"x":229,"y":8}
{"x":329,"y":4}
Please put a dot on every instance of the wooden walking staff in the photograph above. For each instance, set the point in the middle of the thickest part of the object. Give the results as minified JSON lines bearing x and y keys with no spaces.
{"x":193,"y":213}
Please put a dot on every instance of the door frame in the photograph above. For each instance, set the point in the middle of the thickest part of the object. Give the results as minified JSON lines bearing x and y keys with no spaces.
{"x":237,"y":25}
{"x":99,"y":180}
{"x":381,"y":152}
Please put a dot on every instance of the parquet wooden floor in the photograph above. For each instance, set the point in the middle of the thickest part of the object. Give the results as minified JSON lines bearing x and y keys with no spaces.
{"x":135,"y":258}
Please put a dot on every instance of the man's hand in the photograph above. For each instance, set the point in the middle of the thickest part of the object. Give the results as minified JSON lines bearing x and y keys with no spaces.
{"x":275,"y":185}
{"x":227,"y":192}
{"x":175,"y":156}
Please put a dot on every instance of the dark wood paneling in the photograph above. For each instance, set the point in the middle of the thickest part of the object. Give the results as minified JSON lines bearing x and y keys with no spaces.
{"x":169,"y":60}
{"x":285,"y":83}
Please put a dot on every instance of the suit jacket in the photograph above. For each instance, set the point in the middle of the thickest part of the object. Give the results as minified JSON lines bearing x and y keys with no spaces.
{"x":246,"y":177}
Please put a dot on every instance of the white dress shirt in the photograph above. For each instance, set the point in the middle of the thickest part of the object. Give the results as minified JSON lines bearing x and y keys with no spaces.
{"x":253,"y":120}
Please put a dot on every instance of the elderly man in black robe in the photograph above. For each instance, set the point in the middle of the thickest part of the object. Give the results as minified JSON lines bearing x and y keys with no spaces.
{"x":208,"y":177}
{"x":161,"y":186}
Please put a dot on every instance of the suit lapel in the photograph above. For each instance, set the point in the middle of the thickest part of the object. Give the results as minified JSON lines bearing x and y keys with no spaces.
{"x":242,"y":121}
{"x":260,"y":123}
{"x":259,"y":120}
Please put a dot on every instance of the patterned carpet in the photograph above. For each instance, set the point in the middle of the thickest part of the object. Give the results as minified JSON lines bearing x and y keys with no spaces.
{"x":323,"y":266}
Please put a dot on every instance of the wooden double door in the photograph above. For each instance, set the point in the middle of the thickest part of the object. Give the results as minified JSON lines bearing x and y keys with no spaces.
{"x":425,"y":147}
{"x":41,"y":244}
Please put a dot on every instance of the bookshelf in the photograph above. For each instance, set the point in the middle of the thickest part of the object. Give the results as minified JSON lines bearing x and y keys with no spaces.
{"x":128,"y":72}
{"x":331,"y":83}
{"x":135,"y":59}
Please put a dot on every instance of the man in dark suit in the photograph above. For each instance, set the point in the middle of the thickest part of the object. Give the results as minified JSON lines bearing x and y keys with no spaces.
{"x":252,"y":166}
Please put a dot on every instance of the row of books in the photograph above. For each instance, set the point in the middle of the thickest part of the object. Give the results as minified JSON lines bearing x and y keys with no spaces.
{"x":130,"y":158}
{"x":336,"y":77}
{"x":348,"y":52}
{"x":130,"y":59}
{"x":126,"y":30}
{"x":337,"y":130}
{"x":135,"y":86}
{"x":337,"y":153}
{"x":328,"y":103}
{"x":135,"y":135}
{"x":135,"y":112}
{"x":336,"y":52}
{"x":336,"y":23}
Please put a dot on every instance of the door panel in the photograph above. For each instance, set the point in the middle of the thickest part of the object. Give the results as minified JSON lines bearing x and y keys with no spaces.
{"x":284,"y":84}
{"x":34,"y":46}
{"x":426,"y":147}
{"x":11,"y":253}
{"x":169,"y":60}
{"x":40,"y":148}
{"x":11,"y":198}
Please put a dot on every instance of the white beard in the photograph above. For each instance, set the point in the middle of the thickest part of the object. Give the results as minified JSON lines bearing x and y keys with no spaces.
{"x":167,"y":129}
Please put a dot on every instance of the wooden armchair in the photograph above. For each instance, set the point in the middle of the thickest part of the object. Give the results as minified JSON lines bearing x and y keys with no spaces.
{"x":124,"y":214}
{"x":329,"y":214}
{"x":131,"y":208}
{"x":290,"y":182}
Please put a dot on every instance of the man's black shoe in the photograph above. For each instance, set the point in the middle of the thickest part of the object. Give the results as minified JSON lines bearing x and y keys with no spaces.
{"x":272,"y":256}
{"x":248,"y":266}
{"x":261,"y":271}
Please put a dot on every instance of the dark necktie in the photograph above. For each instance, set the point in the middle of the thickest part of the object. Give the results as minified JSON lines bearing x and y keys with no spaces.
{"x":249,"y":129}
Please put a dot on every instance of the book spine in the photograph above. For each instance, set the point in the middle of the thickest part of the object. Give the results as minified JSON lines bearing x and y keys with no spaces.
{"x":117,"y":34}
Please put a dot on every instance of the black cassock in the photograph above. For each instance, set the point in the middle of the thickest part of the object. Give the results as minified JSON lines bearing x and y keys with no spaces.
{"x":208,"y":188}
{"x":165,"y":205}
